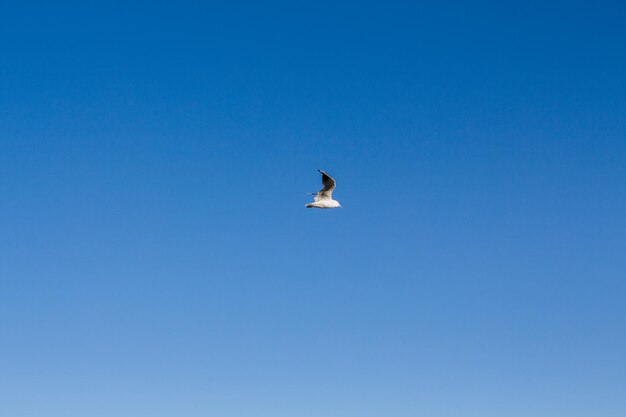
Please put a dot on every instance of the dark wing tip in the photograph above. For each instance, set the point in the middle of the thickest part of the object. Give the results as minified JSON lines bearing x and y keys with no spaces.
{"x":327,"y":180}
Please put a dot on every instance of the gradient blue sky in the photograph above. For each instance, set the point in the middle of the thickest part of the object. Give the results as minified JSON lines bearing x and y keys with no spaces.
{"x":156,"y":258}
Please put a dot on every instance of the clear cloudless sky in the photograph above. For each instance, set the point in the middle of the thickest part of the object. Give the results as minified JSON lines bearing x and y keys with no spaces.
{"x":156,"y":258}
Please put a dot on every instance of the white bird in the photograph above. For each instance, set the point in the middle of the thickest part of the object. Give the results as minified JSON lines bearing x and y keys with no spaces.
{"x":324,"y":198}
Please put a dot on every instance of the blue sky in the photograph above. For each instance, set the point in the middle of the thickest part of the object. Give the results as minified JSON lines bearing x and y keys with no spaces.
{"x":156,"y":258}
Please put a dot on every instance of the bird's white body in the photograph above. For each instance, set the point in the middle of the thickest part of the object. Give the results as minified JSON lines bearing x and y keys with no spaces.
{"x":324,"y":204}
{"x":324,"y":198}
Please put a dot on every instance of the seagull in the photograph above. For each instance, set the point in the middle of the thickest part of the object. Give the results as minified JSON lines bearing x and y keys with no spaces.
{"x":324,"y":198}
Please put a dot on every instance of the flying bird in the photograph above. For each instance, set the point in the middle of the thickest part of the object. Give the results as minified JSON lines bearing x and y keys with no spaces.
{"x":324,"y":198}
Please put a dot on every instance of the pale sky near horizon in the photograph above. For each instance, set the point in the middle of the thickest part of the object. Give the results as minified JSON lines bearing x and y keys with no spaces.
{"x":156,"y":258}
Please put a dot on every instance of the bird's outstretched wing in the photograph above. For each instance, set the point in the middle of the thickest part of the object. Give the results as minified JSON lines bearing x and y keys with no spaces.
{"x":329,"y":185}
